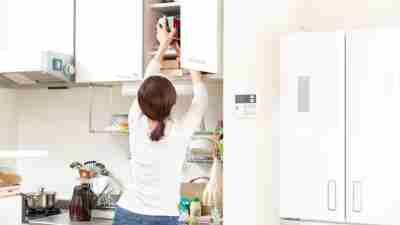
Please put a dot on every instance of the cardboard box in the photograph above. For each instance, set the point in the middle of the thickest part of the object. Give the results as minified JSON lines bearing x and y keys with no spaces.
{"x":173,"y":72}
{"x":192,"y":190}
{"x":169,"y":64}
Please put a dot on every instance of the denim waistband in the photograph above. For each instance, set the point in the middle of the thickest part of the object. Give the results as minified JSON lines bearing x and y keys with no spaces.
{"x":126,"y":217}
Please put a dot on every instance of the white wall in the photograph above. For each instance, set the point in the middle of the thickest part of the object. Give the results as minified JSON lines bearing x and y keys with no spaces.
{"x":8,"y":125}
{"x":57,"y":121}
{"x":251,"y":36}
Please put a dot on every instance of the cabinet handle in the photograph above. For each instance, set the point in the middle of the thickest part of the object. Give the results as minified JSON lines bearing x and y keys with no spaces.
{"x":198,"y":61}
{"x":303,"y":94}
{"x":332,"y":195}
{"x":127,"y":76}
{"x":357,"y":197}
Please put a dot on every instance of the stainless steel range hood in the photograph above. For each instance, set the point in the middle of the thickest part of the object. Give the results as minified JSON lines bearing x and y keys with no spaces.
{"x":56,"y":69}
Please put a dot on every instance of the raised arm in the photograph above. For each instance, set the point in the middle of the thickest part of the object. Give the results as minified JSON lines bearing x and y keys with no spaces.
{"x":192,"y":120}
{"x":165,"y":39}
{"x":154,"y":67}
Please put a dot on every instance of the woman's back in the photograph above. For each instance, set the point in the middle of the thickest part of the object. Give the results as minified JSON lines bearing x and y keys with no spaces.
{"x":157,"y":165}
{"x":156,"y":170}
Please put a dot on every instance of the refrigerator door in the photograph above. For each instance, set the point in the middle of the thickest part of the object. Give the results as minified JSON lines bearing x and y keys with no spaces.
{"x":374,"y":110}
{"x":312,"y":153}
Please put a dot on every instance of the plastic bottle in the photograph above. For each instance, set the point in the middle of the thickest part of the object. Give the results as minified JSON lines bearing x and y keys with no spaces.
{"x":195,"y":208}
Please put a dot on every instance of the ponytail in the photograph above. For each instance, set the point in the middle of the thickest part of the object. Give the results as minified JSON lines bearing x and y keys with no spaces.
{"x":158,"y":131}
{"x":156,"y":97}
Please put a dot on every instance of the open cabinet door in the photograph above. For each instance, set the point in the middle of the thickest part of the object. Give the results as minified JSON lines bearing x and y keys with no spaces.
{"x":312,"y":138}
{"x":201,"y":35}
{"x":374,"y":112}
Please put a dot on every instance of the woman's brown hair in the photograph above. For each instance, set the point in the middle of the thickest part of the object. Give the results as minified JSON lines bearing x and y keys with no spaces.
{"x":156,"y":97}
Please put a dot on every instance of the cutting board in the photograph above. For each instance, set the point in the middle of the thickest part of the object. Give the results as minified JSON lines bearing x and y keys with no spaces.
{"x":9,"y":179}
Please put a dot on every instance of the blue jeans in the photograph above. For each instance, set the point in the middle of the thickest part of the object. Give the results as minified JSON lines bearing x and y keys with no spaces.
{"x":125,"y":217}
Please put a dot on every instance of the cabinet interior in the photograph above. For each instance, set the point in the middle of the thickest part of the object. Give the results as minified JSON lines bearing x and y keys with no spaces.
{"x":153,"y":10}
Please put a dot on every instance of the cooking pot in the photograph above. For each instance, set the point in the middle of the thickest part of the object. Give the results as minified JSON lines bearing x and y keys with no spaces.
{"x":50,"y":199}
{"x":40,"y":200}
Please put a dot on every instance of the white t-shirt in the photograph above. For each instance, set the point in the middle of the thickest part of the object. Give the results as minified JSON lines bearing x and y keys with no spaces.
{"x":157,"y":166}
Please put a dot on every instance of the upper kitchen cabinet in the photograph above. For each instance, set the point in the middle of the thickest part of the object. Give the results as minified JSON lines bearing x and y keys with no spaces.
{"x":30,"y":28}
{"x":109,"y":40}
{"x":201,"y":35}
{"x":312,"y":121}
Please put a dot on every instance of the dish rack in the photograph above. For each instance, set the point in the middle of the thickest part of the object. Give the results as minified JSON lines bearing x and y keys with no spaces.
{"x":203,"y":152}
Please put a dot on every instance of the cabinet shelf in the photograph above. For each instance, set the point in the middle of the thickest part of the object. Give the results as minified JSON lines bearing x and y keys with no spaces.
{"x":107,"y":111}
{"x":112,"y":132}
{"x":169,"y":8}
{"x":200,"y":161}
{"x":169,"y":54}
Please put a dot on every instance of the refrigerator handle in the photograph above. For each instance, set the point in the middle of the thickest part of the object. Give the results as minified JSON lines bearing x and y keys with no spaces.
{"x":357,"y":197}
{"x":332,"y":198}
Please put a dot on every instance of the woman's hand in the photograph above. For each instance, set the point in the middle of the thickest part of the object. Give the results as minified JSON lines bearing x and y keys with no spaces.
{"x":196,"y":77}
{"x":165,"y":38}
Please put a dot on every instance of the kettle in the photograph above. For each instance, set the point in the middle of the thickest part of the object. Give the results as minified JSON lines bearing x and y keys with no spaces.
{"x":82,"y":202}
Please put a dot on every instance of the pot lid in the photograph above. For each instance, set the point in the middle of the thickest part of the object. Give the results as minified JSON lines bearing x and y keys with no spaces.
{"x":33,"y":194}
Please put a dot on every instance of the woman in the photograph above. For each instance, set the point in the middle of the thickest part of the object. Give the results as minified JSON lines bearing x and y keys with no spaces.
{"x":158,"y":145}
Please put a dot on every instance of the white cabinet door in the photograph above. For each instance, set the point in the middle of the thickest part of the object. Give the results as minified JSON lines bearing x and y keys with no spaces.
{"x":11,"y":210}
{"x":201,"y":35}
{"x":37,"y":26}
{"x":109,"y":40}
{"x":374,"y":111}
{"x":312,"y":162}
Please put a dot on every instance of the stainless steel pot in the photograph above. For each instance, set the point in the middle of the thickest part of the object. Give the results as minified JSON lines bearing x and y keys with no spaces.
{"x":35,"y":200}
{"x":40,"y":200}
{"x":50,"y":199}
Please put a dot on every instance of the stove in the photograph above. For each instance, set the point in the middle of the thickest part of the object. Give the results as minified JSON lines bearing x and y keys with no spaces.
{"x":32,"y":214}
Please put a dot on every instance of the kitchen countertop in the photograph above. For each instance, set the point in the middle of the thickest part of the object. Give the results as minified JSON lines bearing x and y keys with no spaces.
{"x":63,"y":219}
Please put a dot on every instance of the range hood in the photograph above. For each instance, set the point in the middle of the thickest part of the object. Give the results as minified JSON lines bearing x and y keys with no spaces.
{"x":56,"y":69}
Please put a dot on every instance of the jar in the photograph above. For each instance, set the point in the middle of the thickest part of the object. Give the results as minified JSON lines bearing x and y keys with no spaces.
{"x":81,"y":203}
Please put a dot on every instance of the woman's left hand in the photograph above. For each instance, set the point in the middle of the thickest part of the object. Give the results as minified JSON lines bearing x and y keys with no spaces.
{"x":164,"y":37}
